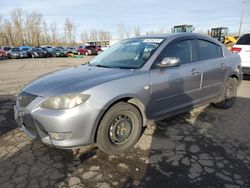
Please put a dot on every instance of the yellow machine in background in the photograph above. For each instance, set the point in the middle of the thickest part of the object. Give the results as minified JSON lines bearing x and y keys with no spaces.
{"x":221,"y":34}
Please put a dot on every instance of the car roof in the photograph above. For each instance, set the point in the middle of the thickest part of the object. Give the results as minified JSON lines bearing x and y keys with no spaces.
{"x":170,"y":35}
{"x":181,"y":34}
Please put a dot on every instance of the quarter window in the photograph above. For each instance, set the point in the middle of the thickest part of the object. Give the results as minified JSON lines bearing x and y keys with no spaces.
{"x":209,"y":50}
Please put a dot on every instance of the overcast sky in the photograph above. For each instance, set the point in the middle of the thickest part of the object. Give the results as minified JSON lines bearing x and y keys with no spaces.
{"x":146,"y":14}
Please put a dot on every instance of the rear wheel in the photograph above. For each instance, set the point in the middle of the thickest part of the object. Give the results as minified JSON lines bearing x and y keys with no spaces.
{"x":119,"y":129}
{"x":228,"y":94}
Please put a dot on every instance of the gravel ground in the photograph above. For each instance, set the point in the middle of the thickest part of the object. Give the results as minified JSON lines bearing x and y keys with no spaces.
{"x":205,"y":147}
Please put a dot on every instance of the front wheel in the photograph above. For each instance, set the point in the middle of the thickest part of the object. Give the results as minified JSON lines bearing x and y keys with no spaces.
{"x":119,"y":129}
{"x":228,"y":94}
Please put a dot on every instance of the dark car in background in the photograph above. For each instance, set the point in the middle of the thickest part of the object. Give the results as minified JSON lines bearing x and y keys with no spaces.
{"x":87,"y":50}
{"x":15,"y":53}
{"x":98,"y":49}
{"x":59,"y":52}
{"x":3,"y":54}
{"x":72,"y":50}
{"x":64,"y":49}
{"x":26,"y":49}
{"x":6,"y":49}
{"x":38,"y":52}
{"x":49,"y":52}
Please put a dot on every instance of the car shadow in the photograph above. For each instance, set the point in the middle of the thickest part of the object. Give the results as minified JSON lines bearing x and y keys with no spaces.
{"x":206,"y":147}
{"x":7,"y":122}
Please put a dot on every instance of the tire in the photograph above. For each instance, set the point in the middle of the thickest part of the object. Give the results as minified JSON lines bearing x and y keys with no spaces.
{"x":119,"y":116}
{"x":228,"y":94}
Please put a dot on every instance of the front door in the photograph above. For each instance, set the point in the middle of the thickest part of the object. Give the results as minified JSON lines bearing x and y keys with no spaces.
{"x":175,"y":88}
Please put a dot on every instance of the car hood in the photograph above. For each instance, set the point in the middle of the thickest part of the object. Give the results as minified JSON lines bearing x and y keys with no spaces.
{"x":73,"y":80}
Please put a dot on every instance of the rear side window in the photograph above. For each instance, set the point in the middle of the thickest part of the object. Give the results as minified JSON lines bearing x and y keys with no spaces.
{"x":244,"y":40}
{"x":184,"y":50}
{"x":209,"y":50}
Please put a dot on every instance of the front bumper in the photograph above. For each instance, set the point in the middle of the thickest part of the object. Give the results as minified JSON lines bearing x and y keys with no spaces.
{"x":37,"y":122}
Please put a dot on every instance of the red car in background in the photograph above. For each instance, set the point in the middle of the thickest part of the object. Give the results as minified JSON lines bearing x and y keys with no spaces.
{"x":4,"y":51}
{"x":87,"y":50}
{"x":3,"y":54}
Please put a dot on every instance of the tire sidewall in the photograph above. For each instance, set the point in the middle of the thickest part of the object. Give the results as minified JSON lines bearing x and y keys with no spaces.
{"x":103,"y":139}
{"x":221,"y":102}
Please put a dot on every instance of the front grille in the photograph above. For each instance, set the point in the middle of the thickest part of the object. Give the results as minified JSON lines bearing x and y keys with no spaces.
{"x":24,"y":99}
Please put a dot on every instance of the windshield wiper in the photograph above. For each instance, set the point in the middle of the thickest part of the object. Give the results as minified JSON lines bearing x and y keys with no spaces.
{"x":128,"y":67}
{"x":105,"y":66}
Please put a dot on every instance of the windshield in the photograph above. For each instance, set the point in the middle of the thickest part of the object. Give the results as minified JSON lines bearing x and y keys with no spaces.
{"x":130,"y":53}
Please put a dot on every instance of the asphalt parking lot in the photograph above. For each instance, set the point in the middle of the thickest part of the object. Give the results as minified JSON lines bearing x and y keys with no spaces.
{"x":205,"y":147}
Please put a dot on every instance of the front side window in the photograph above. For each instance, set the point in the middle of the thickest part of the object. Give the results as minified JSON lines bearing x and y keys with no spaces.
{"x":184,"y":50}
{"x":130,"y":53}
{"x":208,"y":50}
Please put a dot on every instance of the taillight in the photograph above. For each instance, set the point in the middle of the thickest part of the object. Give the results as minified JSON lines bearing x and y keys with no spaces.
{"x":235,"y":50}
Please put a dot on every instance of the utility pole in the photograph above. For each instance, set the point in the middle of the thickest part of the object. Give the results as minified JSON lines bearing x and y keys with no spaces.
{"x":242,"y":15}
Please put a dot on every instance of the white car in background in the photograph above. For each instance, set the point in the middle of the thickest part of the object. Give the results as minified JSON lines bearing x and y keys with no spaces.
{"x":242,"y":47}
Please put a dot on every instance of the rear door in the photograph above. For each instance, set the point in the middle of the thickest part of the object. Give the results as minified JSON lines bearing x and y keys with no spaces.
{"x":213,"y":68}
{"x":175,"y":88}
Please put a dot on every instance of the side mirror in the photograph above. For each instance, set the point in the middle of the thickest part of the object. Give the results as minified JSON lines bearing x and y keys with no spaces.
{"x":170,"y":62}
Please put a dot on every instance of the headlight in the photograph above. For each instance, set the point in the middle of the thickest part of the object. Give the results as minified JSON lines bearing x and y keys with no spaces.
{"x":64,"y":102}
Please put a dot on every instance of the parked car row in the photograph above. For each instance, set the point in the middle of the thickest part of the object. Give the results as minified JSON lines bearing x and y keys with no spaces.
{"x":47,"y":51}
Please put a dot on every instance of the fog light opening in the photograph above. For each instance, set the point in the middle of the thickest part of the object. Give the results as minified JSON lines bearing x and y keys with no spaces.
{"x":59,"y":136}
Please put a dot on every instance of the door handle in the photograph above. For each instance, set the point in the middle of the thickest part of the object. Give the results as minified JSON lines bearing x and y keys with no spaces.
{"x":222,"y":66}
{"x":195,"y":72}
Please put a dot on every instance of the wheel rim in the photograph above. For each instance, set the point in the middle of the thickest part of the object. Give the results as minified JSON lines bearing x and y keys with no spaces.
{"x":120,"y":129}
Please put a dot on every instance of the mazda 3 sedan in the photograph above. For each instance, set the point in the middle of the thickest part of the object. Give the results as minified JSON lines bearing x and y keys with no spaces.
{"x":108,"y":100}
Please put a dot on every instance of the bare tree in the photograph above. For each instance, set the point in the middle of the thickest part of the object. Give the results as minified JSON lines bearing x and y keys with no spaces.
{"x":69,"y":31}
{"x":24,"y":28}
{"x":2,"y":40}
{"x":104,"y":35}
{"x":17,"y":20}
{"x":150,"y":32}
{"x":9,"y":35}
{"x":53,"y":29}
{"x":46,"y":37}
{"x":84,"y":36}
{"x":93,"y":35}
{"x":122,"y":32}
{"x":35,"y":28}
{"x":137,"y":31}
